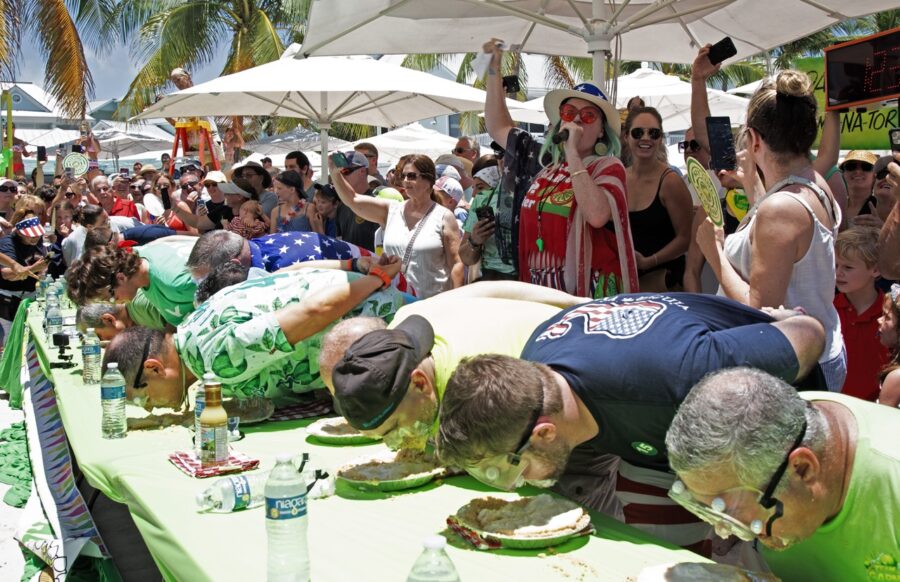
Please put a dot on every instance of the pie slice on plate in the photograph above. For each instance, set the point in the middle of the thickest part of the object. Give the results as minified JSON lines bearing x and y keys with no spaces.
{"x":337,"y":431}
{"x":387,"y":472}
{"x":527,"y":522}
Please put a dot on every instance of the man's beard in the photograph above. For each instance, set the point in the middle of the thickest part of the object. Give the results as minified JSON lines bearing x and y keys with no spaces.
{"x":557,"y":458}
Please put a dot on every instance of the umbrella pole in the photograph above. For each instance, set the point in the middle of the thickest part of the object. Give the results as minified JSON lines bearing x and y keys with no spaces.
{"x":323,"y":139}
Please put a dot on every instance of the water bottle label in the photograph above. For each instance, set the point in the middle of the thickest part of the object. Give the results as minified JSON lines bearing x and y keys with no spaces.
{"x":88,"y":350}
{"x":54,"y":321}
{"x":241,"y":487}
{"x":112,"y":392}
{"x":286,"y":507}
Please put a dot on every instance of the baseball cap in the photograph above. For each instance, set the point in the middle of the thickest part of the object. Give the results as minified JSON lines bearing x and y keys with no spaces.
{"x":356,"y":159}
{"x":450,"y":160}
{"x":146,"y":168}
{"x":373,"y":376}
{"x":215,"y":176}
{"x":452,"y":187}
{"x":859,"y":156}
{"x":445,"y":170}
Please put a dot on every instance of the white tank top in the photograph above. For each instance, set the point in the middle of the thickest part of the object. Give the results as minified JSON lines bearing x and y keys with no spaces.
{"x":812,"y":279}
{"x":427,"y":267}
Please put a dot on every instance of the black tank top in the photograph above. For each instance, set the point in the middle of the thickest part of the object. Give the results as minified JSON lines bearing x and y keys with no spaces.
{"x":651,"y":230}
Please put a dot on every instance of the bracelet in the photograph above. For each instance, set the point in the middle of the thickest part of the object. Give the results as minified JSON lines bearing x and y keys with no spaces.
{"x":379,"y":272}
{"x":354,"y":265}
{"x":347,"y":265}
{"x":573,"y":174}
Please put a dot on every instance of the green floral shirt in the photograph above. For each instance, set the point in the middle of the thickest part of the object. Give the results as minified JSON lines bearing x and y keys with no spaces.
{"x":235,"y":335}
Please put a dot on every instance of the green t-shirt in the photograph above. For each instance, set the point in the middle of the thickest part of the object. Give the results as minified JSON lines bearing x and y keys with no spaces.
{"x":490,"y":255}
{"x":142,"y":312}
{"x":862,"y":542}
{"x":235,"y":335}
{"x":473,"y":326}
{"x":171,"y":288}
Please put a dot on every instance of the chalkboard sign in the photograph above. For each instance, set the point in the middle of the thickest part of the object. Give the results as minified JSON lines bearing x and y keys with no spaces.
{"x":863,"y":71}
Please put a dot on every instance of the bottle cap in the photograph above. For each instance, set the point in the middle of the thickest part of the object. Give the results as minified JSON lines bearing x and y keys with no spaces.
{"x":435,"y":542}
{"x":90,"y":330}
{"x":112,"y":366}
{"x":209,"y":377}
{"x":284,"y":458}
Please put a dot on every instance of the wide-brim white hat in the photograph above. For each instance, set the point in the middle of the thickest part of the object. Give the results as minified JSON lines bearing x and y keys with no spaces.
{"x":587,"y":91}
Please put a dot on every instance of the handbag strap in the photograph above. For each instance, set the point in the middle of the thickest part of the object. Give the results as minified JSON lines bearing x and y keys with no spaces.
{"x":409,"y":247}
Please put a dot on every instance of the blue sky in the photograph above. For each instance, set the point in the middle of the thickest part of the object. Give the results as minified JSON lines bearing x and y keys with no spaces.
{"x":112,"y":71}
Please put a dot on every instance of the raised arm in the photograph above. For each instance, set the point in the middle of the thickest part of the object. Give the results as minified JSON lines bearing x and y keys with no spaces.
{"x":829,"y":145}
{"x":201,"y":223}
{"x":367,"y":207}
{"x":496,"y":115}
{"x":701,"y":70}
{"x":323,"y":308}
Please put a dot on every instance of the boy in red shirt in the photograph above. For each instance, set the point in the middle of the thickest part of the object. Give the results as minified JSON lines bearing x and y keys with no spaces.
{"x":858,"y":304}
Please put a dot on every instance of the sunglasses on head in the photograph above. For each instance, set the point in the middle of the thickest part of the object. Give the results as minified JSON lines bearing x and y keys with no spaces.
{"x":568,"y":113}
{"x":689,"y":146}
{"x":854,"y":165}
{"x":9,"y":188}
{"x":653,"y":133}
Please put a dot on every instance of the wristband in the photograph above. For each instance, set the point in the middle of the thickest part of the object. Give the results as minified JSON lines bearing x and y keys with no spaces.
{"x":347,"y":265}
{"x":354,"y":265}
{"x":573,"y":174}
{"x":379,"y":272}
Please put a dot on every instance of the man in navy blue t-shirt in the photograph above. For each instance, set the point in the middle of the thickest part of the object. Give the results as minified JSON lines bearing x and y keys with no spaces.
{"x":607,"y":377}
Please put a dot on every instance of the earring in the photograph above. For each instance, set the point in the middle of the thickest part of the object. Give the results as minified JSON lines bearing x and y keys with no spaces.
{"x":601,"y":149}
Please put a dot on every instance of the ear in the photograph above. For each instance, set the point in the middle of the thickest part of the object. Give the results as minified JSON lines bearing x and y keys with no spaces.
{"x":108,"y":319}
{"x":154,"y":366}
{"x":545,"y":431}
{"x":120,"y":279}
{"x":421,"y":382}
{"x":806,"y":464}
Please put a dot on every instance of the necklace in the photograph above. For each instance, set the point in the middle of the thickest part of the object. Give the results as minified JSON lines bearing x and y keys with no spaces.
{"x":543,"y":196}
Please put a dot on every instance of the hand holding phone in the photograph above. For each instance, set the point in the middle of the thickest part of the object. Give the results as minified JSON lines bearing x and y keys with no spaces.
{"x":894,"y":136}
{"x":340,"y":160}
{"x":724,"y":49}
{"x":721,"y":143}
{"x":166,"y":199}
{"x":485,"y":213}
{"x":41,"y":154}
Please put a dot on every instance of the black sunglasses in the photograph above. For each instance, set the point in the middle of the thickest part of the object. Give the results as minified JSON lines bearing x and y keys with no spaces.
{"x":460,"y":150}
{"x":9,"y":188}
{"x":689,"y":146}
{"x":855,"y":165}
{"x":767,"y":500}
{"x":140,"y":373}
{"x":638,"y":132}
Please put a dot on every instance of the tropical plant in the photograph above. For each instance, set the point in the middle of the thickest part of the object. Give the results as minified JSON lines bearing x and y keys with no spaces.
{"x":166,"y":34}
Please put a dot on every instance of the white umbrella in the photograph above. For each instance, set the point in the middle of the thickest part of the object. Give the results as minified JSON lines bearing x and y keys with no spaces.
{"x":748,"y":89}
{"x":648,"y":30}
{"x":325,"y":90}
{"x":411,"y":139}
{"x":299,"y":138}
{"x":667,"y":93}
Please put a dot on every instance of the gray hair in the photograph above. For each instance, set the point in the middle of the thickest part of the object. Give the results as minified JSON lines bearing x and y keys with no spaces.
{"x":743,"y":420}
{"x":341,"y":336}
{"x":127,"y":349}
{"x":96,"y":181}
{"x":90,"y":315}
{"x":215,"y":248}
{"x":473,"y":144}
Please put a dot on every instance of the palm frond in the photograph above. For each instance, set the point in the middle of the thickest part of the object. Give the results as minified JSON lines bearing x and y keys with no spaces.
{"x":93,"y":20}
{"x":266,"y":43}
{"x":67,"y":76}
{"x":348,"y":131}
{"x":426,"y":62}
{"x":10,"y":36}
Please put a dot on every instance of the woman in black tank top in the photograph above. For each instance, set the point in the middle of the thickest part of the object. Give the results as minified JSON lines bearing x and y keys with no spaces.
{"x":659,"y":204}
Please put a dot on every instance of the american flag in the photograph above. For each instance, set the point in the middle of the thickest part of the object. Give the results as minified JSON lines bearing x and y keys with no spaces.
{"x":279,"y":250}
{"x":30,"y":227}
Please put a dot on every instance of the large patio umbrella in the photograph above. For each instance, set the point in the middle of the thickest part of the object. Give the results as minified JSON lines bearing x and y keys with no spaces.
{"x":325,"y":90}
{"x":639,"y":30}
{"x":118,"y":139}
{"x":411,"y":139}
{"x":299,"y":138}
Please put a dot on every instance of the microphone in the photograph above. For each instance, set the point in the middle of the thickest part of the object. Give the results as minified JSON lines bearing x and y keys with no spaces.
{"x":561,"y":136}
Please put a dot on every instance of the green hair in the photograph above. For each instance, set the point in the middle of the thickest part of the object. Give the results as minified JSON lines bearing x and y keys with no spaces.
{"x":556,"y":152}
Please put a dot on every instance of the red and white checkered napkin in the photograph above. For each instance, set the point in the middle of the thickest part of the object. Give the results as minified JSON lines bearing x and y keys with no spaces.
{"x":480,"y":543}
{"x":190,"y":464}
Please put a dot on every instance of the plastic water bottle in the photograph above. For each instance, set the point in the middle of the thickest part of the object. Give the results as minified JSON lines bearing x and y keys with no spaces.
{"x":433,"y":564}
{"x":54,"y":317}
{"x":44,"y":287}
{"x":234,"y":493}
{"x":286,"y":524}
{"x":90,"y":356}
{"x":48,"y":237}
{"x":112,"y":399}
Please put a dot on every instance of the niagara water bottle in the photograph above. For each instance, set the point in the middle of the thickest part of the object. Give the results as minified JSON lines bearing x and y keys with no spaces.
{"x":54,"y":320}
{"x":433,"y":564}
{"x":233,"y":493}
{"x":90,"y":357}
{"x":112,"y":398}
{"x":286,"y":524}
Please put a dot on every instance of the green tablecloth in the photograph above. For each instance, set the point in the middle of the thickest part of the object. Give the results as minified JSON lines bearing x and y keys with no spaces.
{"x":366,"y":538}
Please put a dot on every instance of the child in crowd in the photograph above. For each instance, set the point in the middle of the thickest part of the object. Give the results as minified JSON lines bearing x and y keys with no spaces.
{"x":889,"y":334}
{"x":250,"y":221}
{"x":858,"y":304}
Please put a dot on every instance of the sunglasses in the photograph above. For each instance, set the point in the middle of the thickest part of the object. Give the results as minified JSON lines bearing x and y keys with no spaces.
{"x":689,"y":146}
{"x":410,"y":176}
{"x":68,"y":194}
{"x":653,"y":133}
{"x":9,"y":188}
{"x":853,"y":166}
{"x":587,"y":115}
{"x":461,"y":150}
{"x":190,"y":184}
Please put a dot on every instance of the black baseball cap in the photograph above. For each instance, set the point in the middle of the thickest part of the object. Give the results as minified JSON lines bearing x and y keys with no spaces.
{"x":373,"y":376}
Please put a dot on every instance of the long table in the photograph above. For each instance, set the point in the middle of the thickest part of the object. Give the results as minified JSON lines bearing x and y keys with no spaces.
{"x":352,"y":536}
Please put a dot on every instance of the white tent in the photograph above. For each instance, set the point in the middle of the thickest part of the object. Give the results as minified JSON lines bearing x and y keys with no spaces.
{"x":746,"y":90}
{"x":411,"y":139}
{"x":646,"y":30}
{"x":299,"y":138}
{"x":667,"y":93}
{"x":325,"y":90}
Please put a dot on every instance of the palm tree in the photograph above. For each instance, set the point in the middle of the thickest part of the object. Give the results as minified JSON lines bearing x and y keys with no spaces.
{"x":166,"y":34}
{"x":58,"y":26}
